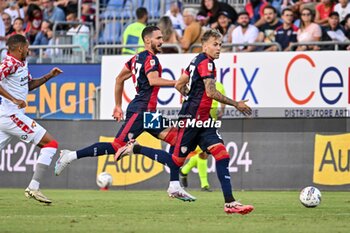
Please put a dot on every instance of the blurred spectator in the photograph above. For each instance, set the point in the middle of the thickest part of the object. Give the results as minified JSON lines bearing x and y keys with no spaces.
{"x":132,"y":34}
{"x":343,"y":8}
{"x":87,"y":11}
{"x":14,"y":11}
{"x":76,"y":28}
{"x":34,"y":18}
{"x":43,"y":37}
{"x":169,"y":34}
{"x":255,"y":11}
{"x":267,"y":30}
{"x":333,"y":32}
{"x":301,"y":4}
{"x":193,"y":31}
{"x":176,"y":17}
{"x":308,"y":31}
{"x":51,"y":12}
{"x":45,"y":34}
{"x":347,"y":26}
{"x":80,"y":33}
{"x":2,"y":29}
{"x":279,"y":5}
{"x":25,"y":3}
{"x":225,"y":27}
{"x":18,"y":28}
{"x":6,"y":18}
{"x":322,"y":10}
{"x":210,"y":10}
{"x":287,"y":32}
{"x":36,"y":2}
{"x":67,"y":5}
{"x":244,"y":32}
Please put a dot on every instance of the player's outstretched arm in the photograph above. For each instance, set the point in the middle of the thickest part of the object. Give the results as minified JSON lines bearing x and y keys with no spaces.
{"x":19,"y":103}
{"x":124,"y":74}
{"x":155,"y":80}
{"x":211,"y":92}
{"x":34,"y":83}
{"x":181,"y":84}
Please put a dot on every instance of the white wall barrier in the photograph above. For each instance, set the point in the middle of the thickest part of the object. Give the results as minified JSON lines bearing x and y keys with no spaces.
{"x":286,"y":84}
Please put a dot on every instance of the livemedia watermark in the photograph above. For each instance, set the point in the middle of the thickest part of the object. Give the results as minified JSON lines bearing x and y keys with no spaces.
{"x":155,"y":120}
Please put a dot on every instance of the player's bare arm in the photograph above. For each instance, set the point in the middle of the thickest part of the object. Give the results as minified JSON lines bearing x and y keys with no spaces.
{"x":34,"y":83}
{"x":18,"y":102}
{"x":211,"y":92}
{"x":155,"y":80}
{"x":181,"y":84}
{"x":124,"y":75}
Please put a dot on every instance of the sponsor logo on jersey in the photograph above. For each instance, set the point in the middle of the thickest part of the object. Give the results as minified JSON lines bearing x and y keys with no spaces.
{"x":130,"y":136}
{"x":210,"y":66}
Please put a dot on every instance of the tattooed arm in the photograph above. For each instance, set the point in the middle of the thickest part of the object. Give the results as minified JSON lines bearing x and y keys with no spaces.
{"x":181,"y":84}
{"x":211,"y":92}
{"x":34,"y":83}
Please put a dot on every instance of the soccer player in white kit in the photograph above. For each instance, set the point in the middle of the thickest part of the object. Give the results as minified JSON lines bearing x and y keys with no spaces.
{"x":15,"y":82}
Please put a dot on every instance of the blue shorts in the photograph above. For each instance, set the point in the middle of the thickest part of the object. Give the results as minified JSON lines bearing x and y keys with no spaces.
{"x":188,"y":139}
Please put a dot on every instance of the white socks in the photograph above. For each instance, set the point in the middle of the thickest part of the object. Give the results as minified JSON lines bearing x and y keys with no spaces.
{"x":174,"y":183}
{"x":42,"y":164}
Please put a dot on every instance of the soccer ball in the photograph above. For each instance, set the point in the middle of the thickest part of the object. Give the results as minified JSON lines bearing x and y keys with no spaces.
{"x":310,"y":197}
{"x":104,"y":180}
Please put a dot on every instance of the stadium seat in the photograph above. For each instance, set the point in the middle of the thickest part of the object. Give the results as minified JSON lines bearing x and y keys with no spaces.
{"x":111,"y":33}
{"x":137,"y":3}
{"x":153,"y":7}
{"x":117,"y":9}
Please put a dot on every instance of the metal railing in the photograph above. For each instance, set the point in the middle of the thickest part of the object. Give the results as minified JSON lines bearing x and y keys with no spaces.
{"x":237,"y":4}
{"x":320,"y":43}
{"x":96,"y":103}
{"x":97,"y":48}
{"x":85,"y":40}
{"x":235,"y":45}
{"x":57,"y":54}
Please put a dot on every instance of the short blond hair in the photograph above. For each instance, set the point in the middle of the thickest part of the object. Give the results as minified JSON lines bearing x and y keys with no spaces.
{"x":210,"y":33}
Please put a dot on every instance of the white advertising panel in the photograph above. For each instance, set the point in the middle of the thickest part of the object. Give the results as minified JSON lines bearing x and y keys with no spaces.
{"x":287,"y":84}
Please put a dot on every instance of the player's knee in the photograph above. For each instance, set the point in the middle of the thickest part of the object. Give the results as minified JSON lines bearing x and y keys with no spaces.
{"x":179,"y":161}
{"x":117,"y":143}
{"x":51,"y":144}
{"x":219,"y":152}
{"x":171,"y":137}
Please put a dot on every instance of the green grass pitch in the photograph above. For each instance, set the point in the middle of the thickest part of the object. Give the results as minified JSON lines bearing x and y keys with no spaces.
{"x":152,"y":211}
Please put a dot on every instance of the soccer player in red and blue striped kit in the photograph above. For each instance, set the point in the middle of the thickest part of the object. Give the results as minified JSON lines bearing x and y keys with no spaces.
{"x":201,"y":77}
{"x":145,"y":70}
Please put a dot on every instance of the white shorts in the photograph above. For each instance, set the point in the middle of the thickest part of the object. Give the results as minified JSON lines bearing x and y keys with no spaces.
{"x":21,"y":126}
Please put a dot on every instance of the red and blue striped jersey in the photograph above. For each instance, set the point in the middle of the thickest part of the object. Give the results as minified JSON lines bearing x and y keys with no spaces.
{"x":198,"y":104}
{"x":140,"y":65}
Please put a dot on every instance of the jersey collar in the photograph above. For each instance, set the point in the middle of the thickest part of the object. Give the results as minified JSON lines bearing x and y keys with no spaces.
{"x":18,"y":61}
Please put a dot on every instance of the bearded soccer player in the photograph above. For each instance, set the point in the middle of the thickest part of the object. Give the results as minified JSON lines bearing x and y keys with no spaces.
{"x":145,"y":70}
{"x":15,"y":82}
{"x":200,"y":75}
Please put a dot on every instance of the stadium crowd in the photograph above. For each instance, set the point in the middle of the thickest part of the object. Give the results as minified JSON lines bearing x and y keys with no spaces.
{"x":281,"y":21}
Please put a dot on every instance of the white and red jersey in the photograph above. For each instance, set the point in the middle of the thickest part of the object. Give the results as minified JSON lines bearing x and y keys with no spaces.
{"x":14,"y":78}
